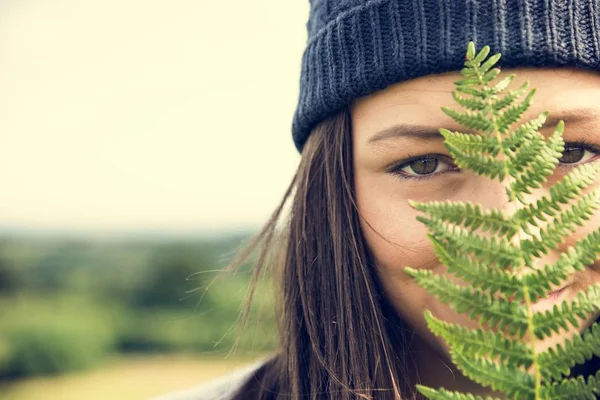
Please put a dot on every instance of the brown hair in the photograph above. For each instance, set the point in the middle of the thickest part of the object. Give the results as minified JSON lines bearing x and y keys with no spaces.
{"x":339,"y":336}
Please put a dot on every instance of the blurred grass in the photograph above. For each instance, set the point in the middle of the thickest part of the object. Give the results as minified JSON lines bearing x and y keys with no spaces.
{"x":130,"y":378}
{"x":67,"y":305}
{"x":49,"y":335}
{"x":89,"y":319}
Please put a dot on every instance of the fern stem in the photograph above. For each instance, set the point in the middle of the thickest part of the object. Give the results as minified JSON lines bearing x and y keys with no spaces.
{"x":492,"y":116}
{"x":538,"y":375}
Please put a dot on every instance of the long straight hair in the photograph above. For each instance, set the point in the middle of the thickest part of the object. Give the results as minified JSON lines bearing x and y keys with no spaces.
{"x":339,"y":336}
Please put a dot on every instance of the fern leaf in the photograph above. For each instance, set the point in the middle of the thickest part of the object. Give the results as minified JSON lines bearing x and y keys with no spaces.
{"x":490,"y":75}
{"x":490,"y":63}
{"x":443,"y":394}
{"x":482,"y":164}
{"x":509,"y":98}
{"x":528,"y":151}
{"x":561,"y":193}
{"x":471,"y":143}
{"x":573,"y":389}
{"x":483,"y":53}
{"x":585,"y":303}
{"x":473,"y":104}
{"x":470,"y":80}
{"x":555,"y":362}
{"x":584,"y":252}
{"x":500,"y":86}
{"x":512,"y":114}
{"x":531,"y":178}
{"x":541,"y":167}
{"x":523,"y":133}
{"x":493,"y":311}
{"x":515,"y":383}
{"x":495,"y":294}
{"x":469,"y":215}
{"x":491,"y":250}
{"x":474,"y":120}
{"x":479,"y":275}
{"x":539,"y":282}
{"x":471,"y":91}
{"x":485,"y":344}
{"x":562,"y":225}
{"x":466,"y":72}
{"x":575,"y":258}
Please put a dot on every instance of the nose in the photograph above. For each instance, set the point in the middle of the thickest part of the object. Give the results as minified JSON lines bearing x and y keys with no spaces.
{"x":550,"y":258}
{"x":497,"y":197}
{"x":492,"y":194}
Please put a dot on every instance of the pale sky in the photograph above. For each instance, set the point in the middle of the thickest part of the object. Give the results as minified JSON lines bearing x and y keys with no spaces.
{"x":145,"y":114}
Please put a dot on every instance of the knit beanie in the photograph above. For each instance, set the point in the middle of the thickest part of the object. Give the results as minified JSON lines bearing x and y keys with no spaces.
{"x":357,"y":47}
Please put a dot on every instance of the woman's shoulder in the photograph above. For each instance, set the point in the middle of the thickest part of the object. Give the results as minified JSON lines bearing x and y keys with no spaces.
{"x":221,"y":388}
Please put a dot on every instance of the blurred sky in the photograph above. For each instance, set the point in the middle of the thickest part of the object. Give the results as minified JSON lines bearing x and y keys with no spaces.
{"x":119,"y":115}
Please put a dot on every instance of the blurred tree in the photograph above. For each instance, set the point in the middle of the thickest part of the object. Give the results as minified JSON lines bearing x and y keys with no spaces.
{"x":11,"y":278}
{"x":175,"y":278}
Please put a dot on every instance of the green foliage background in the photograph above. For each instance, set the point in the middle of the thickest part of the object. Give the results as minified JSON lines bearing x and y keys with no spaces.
{"x":67,"y":304}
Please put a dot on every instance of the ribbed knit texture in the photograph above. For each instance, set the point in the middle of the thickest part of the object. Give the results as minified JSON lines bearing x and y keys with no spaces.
{"x":357,"y":47}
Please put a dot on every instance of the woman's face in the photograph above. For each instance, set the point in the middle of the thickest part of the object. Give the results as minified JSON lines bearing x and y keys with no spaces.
{"x":388,"y":140}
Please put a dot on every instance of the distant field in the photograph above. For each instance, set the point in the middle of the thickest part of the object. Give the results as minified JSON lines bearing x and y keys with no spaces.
{"x":125,"y":379}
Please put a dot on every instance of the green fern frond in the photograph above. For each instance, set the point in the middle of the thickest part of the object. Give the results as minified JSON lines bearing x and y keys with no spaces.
{"x":562,"y":225}
{"x":556,"y":362}
{"x":472,"y":143}
{"x":527,"y":153}
{"x":586,"y":302}
{"x":567,"y":189}
{"x":499,"y":294}
{"x":540,"y":168}
{"x":493,"y":60}
{"x":496,"y":312}
{"x":490,"y":75}
{"x":443,"y":394}
{"x":511,"y":115}
{"x":538,"y":282}
{"x":584,"y":252}
{"x":496,"y":250}
{"x":472,"y":104}
{"x":469,"y":215}
{"x":471,"y":119}
{"x":515,"y":383}
{"x":484,"y":344}
{"x":500,"y":86}
{"x":573,"y":389}
{"x":509,"y":98}
{"x":480,"y":163}
{"x":472,"y":91}
{"x":523,"y":134}
{"x":576,"y":257}
{"x":479,"y":275}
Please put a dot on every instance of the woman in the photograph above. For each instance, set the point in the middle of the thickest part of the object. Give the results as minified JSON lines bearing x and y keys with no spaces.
{"x":374,"y":76}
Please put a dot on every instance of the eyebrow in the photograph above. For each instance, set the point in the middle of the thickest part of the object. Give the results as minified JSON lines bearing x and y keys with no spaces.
{"x":425,"y":132}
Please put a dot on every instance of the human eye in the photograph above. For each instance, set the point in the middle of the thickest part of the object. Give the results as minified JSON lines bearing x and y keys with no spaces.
{"x":422,"y":167}
{"x":430,"y":165}
{"x":578,"y":152}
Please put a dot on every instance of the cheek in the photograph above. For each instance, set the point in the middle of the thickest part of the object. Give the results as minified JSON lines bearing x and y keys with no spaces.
{"x":391,"y":229}
{"x":592,"y":274}
{"x":396,"y":240}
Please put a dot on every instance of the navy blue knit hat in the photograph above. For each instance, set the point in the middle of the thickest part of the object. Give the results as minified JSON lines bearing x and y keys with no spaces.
{"x":357,"y":47}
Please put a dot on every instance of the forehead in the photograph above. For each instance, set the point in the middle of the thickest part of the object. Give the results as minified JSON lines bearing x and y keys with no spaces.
{"x":418,"y":101}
